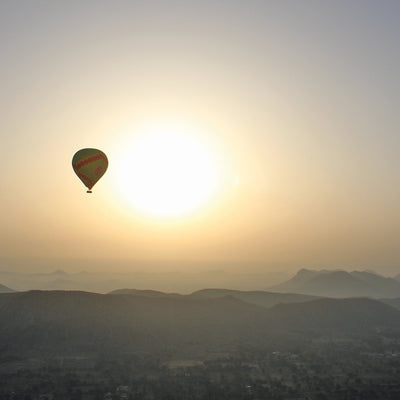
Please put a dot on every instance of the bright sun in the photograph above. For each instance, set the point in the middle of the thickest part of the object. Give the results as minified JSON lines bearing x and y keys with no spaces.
{"x":167,"y":173}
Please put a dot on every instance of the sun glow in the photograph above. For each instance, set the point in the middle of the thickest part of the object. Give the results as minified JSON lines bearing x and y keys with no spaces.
{"x":167,"y":173}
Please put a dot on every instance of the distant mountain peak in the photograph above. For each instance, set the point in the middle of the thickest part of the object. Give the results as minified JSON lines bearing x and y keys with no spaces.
{"x":370,"y":271}
{"x":59,"y":272}
{"x":303,"y":271}
{"x":340,"y":283}
{"x":304,"y":275}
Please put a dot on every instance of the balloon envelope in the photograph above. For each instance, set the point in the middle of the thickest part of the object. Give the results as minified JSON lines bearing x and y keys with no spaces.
{"x":90,"y":165}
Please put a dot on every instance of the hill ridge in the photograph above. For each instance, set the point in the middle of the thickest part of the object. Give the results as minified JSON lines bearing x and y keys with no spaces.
{"x":68,"y":321}
{"x":5,"y":289}
{"x":340,"y":284}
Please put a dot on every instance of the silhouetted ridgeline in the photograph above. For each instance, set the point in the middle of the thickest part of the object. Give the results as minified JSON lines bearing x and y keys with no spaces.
{"x":392,"y":302}
{"x":259,"y":297}
{"x":321,"y":283}
{"x":147,"y":293}
{"x":104,"y":282}
{"x":5,"y":289}
{"x":340,"y":284}
{"x":67,"y":322}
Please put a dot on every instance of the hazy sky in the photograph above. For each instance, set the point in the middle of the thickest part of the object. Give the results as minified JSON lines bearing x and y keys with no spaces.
{"x":296,"y":104}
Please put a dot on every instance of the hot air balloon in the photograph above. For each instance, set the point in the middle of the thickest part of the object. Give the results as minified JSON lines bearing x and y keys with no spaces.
{"x":90,"y":165}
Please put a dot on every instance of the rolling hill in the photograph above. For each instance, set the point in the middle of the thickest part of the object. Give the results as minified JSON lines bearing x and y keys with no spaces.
{"x":333,"y":315}
{"x":144,"y":292}
{"x":261,"y":298}
{"x":80,"y":322}
{"x":392,"y":302}
{"x":5,"y":289}
{"x":258,"y":297}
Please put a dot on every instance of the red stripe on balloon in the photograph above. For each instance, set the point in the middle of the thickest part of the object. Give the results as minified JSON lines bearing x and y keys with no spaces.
{"x":89,"y":160}
{"x":87,"y":181}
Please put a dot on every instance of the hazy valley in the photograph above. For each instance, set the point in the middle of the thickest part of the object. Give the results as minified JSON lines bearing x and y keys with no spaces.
{"x":169,"y":281}
{"x":211,"y":343}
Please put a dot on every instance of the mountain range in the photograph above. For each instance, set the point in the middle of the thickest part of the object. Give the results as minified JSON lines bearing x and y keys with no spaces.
{"x":72,"y":321}
{"x":106,"y":281}
{"x":340,"y":284}
{"x":322,"y":283}
{"x":259,"y":297}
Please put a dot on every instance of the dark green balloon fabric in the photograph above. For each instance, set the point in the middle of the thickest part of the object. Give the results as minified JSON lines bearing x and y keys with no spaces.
{"x":90,"y":165}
